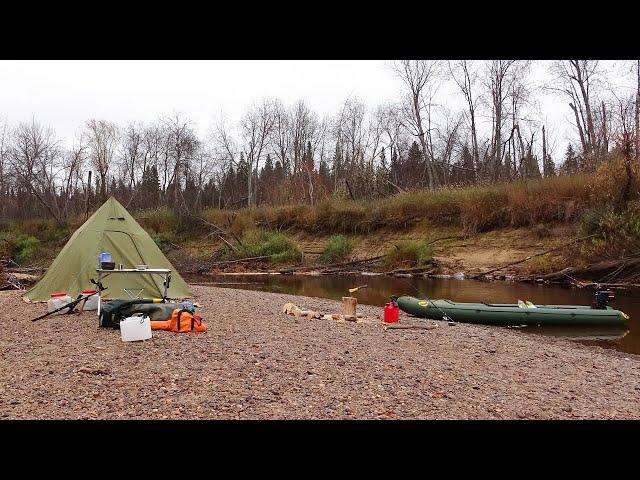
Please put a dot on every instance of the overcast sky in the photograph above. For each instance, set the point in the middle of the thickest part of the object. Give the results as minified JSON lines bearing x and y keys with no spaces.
{"x":63,"y":94}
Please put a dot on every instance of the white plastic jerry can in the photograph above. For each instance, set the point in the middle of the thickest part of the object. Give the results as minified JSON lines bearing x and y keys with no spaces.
{"x":90,"y":303}
{"x":58,"y":300}
{"x":135,"y":328}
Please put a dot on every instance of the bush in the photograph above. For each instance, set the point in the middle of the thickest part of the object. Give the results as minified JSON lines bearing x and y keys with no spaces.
{"x":258,"y":243}
{"x":336,"y":249}
{"x":618,"y":232}
{"x":164,"y":240}
{"x":409,"y":251}
{"x":158,"y":220}
{"x":20,"y":248}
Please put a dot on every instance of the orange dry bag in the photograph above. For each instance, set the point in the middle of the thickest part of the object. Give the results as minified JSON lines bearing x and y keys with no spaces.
{"x":182,"y":321}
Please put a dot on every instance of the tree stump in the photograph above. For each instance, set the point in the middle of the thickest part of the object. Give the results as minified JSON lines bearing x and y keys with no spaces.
{"x":349,"y":306}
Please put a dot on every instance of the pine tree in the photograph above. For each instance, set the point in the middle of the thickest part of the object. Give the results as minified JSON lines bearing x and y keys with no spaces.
{"x":549,"y":167}
{"x":411,"y":173}
{"x":571,"y":162}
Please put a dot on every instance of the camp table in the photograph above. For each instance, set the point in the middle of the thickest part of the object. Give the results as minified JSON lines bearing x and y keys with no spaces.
{"x":164,"y":272}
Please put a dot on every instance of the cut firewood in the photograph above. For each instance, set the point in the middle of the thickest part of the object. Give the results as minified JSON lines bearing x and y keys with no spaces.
{"x":349,"y":305}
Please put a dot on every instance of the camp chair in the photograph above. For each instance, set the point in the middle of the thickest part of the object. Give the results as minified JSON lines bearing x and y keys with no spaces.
{"x":130,"y":291}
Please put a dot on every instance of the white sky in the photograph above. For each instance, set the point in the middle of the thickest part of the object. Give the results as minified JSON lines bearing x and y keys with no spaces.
{"x":63,"y":94}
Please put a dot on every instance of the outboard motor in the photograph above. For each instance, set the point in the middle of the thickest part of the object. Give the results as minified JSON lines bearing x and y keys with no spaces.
{"x":603,"y":297}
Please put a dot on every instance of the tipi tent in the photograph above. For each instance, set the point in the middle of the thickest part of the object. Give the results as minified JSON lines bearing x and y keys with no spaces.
{"x":110,"y":229}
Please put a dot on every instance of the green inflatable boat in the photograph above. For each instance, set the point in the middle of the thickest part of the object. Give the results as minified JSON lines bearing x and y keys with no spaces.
{"x":512,"y":314}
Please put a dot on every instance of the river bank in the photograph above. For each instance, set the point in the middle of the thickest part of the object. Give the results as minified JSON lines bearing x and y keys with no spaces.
{"x":255,"y":362}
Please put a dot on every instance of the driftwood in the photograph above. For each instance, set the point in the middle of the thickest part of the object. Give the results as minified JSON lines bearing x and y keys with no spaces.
{"x":327,"y":267}
{"x":627,"y":269}
{"x":424,"y":268}
{"x":26,"y":269}
{"x":241,"y":260}
{"x":532,"y":256}
{"x":220,"y":231}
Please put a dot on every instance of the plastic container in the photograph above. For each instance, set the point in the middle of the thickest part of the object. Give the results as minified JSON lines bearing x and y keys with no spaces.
{"x":58,"y":300}
{"x":135,"y":328}
{"x":391,"y":312}
{"x":90,"y":303}
{"x":104,"y":257}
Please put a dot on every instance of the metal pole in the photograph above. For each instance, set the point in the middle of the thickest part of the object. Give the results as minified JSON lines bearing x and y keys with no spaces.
{"x":99,"y":293}
{"x":166,"y":281}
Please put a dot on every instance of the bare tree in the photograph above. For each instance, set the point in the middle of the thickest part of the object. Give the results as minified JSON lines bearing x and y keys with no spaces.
{"x":501,"y":80}
{"x":132,"y":152}
{"x":638,"y":111}
{"x":625,"y":120}
{"x":33,"y":154}
{"x":256,"y":127}
{"x":576,"y":79}
{"x":101,"y":138}
{"x":420,"y":77}
{"x":181,"y":145}
{"x":4,"y":163}
{"x":465,"y":75}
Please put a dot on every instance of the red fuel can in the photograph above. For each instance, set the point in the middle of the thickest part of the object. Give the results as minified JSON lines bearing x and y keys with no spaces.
{"x":391,"y":313}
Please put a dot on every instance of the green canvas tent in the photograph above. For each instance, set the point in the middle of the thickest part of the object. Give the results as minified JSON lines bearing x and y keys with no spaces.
{"x":110,"y":229}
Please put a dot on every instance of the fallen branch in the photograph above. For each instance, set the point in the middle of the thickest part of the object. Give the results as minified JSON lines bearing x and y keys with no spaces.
{"x":219,"y":230}
{"x":532,"y":256}
{"x":26,"y":269}
{"x":457,"y":237}
{"x":429,"y":267}
{"x":334,"y":265}
{"x":241,"y":260}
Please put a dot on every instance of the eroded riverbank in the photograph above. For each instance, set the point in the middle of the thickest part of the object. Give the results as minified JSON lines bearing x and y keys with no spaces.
{"x":255,"y":362}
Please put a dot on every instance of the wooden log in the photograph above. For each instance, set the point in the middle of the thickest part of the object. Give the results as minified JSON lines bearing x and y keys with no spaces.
{"x":599,"y":270}
{"x":240,"y":260}
{"x":349,"y":305}
{"x":429,"y":267}
{"x":331,"y":266}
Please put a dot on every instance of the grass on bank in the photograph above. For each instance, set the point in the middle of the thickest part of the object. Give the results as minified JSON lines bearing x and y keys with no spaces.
{"x":589,"y":201}
{"x":412,"y":253}
{"x":258,"y":243}
{"x":338,"y":248}
{"x":20,"y":248}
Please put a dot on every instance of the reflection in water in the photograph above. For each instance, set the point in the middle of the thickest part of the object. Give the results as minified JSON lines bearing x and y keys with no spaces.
{"x":380,"y":288}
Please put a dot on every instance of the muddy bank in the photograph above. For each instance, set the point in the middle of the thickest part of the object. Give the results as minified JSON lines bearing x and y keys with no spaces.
{"x":256,"y":362}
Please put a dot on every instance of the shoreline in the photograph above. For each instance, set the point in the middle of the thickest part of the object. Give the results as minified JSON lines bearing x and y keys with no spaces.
{"x":627,"y":287}
{"x":256,"y":362}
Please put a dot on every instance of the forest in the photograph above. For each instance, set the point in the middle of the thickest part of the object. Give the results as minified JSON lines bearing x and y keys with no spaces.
{"x":287,"y":154}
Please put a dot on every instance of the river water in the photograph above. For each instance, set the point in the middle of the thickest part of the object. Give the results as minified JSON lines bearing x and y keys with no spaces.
{"x":381,"y":287}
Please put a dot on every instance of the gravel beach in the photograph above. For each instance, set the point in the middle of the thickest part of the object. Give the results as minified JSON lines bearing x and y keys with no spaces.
{"x":257,"y":363}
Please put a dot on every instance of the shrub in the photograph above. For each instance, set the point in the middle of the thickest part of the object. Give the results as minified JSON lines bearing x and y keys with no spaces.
{"x":618,"y":232}
{"x":164,"y":240}
{"x":409,"y":251}
{"x":336,"y":249}
{"x":258,"y":243}
{"x":157,"y":220}
{"x":21,"y":248}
